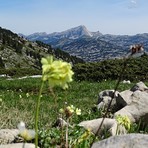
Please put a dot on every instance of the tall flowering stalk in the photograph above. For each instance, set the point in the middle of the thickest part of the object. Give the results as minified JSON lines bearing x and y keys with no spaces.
{"x":68,"y":113}
{"x":57,"y":73}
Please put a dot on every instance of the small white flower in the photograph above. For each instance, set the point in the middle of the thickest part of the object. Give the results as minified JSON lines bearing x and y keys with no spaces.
{"x":21,"y":126}
{"x":27,"y":95}
{"x":20,"y":90}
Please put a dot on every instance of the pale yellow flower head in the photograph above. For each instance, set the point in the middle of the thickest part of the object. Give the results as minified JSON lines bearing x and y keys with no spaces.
{"x":57,"y":73}
{"x":61,"y":110}
{"x":25,"y":133}
{"x":70,"y":108}
{"x":78,"y":111}
{"x":124,"y":120}
{"x":85,"y":135}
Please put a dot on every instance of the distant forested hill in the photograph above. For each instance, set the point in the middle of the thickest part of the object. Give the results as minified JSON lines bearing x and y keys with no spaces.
{"x":17,"y":52}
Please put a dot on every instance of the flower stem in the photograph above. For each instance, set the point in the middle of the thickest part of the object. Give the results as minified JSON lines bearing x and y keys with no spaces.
{"x":37,"y":114}
{"x":67,"y":133}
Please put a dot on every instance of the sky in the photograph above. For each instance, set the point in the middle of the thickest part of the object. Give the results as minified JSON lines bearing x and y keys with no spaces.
{"x":119,"y":17}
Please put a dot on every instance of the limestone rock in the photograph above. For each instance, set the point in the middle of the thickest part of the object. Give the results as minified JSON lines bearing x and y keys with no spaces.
{"x":138,"y":109}
{"x":139,"y":86}
{"x":106,"y":93}
{"x":105,"y":102}
{"x":105,"y":98}
{"x":124,"y":141}
{"x":8,"y":135}
{"x":108,"y":124}
{"x":124,"y":98}
{"x":18,"y":145}
{"x":60,"y":123}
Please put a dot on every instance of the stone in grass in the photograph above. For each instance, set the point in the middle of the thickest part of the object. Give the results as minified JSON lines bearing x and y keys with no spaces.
{"x":139,"y":86}
{"x":109,"y":124}
{"x":124,"y":141}
{"x":138,"y":109}
{"x":105,"y":98}
{"x":8,"y":135}
{"x":18,"y":145}
{"x":60,"y":123}
{"x":124,"y":98}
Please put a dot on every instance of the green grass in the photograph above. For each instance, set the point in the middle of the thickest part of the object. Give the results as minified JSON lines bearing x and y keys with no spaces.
{"x":16,"y":106}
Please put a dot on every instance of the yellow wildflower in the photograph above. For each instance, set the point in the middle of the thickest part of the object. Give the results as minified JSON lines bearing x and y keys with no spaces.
{"x":84,"y":136}
{"x":124,"y":120}
{"x":25,"y":133}
{"x":78,"y":111}
{"x":57,"y":73}
{"x":69,"y":110}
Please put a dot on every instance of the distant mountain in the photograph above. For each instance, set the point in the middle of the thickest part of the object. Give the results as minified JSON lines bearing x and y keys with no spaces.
{"x":125,"y":40}
{"x":91,"y":46}
{"x":91,"y":50}
{"x":17,"y":52}
{"x":73,"y":33}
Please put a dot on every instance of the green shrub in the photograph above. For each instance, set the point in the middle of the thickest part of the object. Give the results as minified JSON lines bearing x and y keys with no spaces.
{"x":136,"y":69}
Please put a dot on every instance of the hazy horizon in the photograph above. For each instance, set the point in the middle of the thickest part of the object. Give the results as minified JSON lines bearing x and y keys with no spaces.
{"x":118,"y":17}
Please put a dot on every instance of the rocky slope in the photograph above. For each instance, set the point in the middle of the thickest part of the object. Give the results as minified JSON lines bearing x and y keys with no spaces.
{"x":17,"y":52}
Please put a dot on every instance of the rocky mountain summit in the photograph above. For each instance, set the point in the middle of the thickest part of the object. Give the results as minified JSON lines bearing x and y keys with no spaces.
{"x":91,"y":46}
{"x":72,"y":33}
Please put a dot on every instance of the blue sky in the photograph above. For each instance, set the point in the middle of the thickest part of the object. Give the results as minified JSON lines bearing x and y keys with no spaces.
{"x":107,"y":16}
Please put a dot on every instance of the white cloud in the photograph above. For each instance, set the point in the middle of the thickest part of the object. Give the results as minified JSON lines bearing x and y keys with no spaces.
{"x":132,"y":4}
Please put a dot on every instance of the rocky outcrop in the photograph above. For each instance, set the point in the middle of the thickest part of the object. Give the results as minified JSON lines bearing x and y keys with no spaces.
{"x":124,"y":141}
{"x":138,"y":108}
{"x":131,"y":103}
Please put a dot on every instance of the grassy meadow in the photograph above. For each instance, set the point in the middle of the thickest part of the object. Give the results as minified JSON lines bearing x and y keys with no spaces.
{"x":19,"y":99}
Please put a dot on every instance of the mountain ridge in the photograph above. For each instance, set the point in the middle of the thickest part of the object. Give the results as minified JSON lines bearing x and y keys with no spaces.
{"x":110,"y":45}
